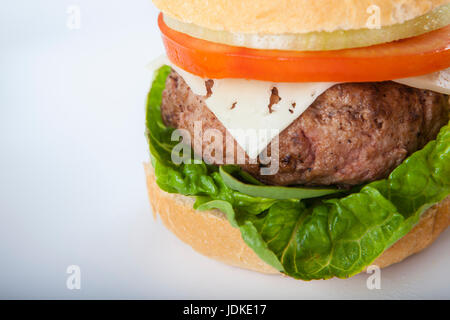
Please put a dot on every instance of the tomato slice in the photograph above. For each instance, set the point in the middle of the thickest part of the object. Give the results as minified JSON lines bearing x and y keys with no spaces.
{"x":400,"y":59}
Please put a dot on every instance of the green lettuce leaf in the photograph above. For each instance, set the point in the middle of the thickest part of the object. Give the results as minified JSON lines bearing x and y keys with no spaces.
{"x":229,"y":173}
{"x":315,"y":238}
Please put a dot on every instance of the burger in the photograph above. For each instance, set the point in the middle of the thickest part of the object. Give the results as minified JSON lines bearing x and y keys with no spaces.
{"x":309,"y":138}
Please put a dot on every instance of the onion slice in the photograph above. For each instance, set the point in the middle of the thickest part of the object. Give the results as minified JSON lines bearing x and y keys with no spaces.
{"x":319,"y":41}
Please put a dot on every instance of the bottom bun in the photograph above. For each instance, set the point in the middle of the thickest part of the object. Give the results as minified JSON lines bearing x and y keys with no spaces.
{"x":210,"y":233}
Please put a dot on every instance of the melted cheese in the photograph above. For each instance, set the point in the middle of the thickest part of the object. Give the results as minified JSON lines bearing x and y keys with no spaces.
{"x":242,"y":106}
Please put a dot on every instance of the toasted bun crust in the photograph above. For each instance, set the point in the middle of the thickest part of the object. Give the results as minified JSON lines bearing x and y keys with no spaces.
{"x":210,"y":233}
{"x":287,"y":16}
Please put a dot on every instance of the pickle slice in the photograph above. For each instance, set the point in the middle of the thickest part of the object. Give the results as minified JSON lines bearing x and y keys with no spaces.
{"x":320,"y":41}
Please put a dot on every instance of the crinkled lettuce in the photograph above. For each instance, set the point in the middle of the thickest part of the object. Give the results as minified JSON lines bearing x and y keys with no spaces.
{"x":316,"y":238}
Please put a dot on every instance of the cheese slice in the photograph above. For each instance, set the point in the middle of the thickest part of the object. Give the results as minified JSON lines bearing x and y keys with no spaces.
{"x":242,"y":106}
{"x":438,"y":81}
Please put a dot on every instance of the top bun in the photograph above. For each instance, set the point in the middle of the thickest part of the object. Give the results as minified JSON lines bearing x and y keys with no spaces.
{"x":294,"y":16}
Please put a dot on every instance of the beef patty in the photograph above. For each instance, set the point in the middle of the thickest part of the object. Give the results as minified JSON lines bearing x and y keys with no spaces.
{"x":353,"y":133}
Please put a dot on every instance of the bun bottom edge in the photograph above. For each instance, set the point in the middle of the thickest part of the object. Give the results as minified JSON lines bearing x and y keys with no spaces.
{"x":210,"y":234}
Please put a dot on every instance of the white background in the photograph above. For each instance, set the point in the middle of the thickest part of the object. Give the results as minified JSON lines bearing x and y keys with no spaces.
{"x":72,"y":185}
